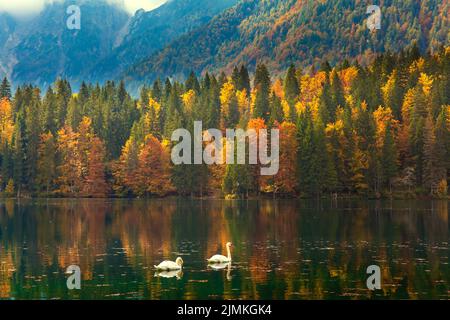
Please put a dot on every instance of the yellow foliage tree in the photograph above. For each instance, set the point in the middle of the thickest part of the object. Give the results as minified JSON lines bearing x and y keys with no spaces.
{"x":278,"y":89}
{"x":69,"y":171}
{"x":9,"y":190}
{"x":347,"y":76}
{"x":243,"y":101}
{"x":226,"y":95}
{"x":6,"y":122}
{"x":383,"y":118}
{"x":426,"y":82}
{"x":189,"y":99}
{"x":311,"y":86}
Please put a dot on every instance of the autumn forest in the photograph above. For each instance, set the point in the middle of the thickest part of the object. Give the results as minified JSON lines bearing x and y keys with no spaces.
{"x":381,"y":130}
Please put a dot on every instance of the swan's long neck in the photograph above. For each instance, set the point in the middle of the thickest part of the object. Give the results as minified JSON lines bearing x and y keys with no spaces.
{"x":229,"y":253}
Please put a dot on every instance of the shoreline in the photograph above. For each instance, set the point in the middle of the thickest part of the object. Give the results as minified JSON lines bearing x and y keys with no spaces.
{"x":408,"y":196}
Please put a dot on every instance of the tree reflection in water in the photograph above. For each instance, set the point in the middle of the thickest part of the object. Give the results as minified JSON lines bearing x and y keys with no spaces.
{"x":284,"y":249}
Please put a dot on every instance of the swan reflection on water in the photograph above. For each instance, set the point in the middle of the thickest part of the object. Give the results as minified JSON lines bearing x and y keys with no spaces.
{"x":170,"y":274}
{"x":222,"y":266}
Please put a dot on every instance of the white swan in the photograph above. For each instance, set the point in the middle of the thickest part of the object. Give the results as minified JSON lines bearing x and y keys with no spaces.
{"x":218,"y":258}
{"x":170,"y":265}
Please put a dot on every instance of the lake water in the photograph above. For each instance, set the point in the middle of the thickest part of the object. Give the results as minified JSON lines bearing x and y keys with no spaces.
{"x":286,"y":249}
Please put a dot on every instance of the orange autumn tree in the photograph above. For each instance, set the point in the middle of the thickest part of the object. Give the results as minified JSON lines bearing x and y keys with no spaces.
{"x":145,"y":169}
{"x":125,"y":169}
{"x":69,"y":170}
{"x":286,"y":179}
{"x":153,"y":172}
{"x":277,"y":88}
{"x":92,"y":153}
{"x":95,"y":183}
{"x":347,"y":77}
{"x":82,"y":162}
{"x":257,"y":180}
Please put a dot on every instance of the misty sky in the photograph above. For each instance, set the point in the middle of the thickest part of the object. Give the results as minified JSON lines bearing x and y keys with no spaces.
{"x":23,"y":7}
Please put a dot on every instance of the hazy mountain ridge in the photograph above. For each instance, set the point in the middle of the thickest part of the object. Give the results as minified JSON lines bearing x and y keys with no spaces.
{"x":148,"y":32}
{"x":41,"y":49}
{"x":44,"y":48}
{"x":7,"y":29}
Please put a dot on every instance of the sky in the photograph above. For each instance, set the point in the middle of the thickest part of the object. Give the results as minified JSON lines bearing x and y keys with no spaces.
{"x":25,"y":7}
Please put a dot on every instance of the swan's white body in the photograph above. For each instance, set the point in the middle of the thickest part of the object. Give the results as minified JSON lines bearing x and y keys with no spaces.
{"x":170,"y":265}
{"x":218,"y":258}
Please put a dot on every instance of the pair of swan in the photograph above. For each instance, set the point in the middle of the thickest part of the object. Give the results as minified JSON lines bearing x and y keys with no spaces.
{"x":178,"y":264}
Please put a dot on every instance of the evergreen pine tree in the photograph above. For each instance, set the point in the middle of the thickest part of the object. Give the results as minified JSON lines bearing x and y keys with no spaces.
{"x":83,"y":95}
{"x":262,"y":86}
{"x":244,"y":79}
{"x":7,"y":165}
{"x":337,"y":92}
{"x":276,"y":110}
{"x":291,"y":86}
{"x":389,"y":158}
{"x":19,"y":154}
{"x":326,"y":108}
{"x":442,"y":133}
{"x":167,"y":88}
{"x":144,"y":97}
{"x":48,"y":113}
{"x":236,"y":78}
{"x":156,"y":90}
{"x":5,"y":89}
{"x":192,"y":83}
{"x":429,"y":175}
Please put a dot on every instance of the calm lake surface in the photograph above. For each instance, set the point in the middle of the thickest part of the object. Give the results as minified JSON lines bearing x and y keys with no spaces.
{"x":286,"y":249}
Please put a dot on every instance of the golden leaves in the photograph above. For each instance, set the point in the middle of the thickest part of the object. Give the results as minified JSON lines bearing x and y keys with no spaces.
{"x":383,"y":118}
{"x":6,"y":122}
{"x":188,"y":99}
{"x":426,"y":82}
{"x":226,"y":95}
{"x":243,"y":101}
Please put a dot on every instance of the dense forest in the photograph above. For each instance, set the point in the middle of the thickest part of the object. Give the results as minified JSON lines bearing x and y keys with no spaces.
{"x":280,"y":32}
{"x":376,"y":131}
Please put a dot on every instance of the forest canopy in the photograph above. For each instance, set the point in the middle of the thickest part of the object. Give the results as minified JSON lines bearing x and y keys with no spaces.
{"x":380,"y":130}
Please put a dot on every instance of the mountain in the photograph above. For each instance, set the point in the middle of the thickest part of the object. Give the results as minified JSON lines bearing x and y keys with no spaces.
{"x":41,"y":49}
{"x":7,"y":28}
{"x":148,"y":32}
{"x":198,"y":35}
{"x":305,"y":32}
{"x":47,"y":49}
